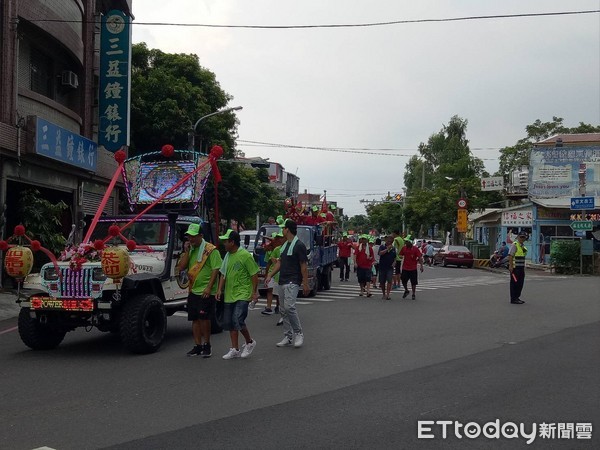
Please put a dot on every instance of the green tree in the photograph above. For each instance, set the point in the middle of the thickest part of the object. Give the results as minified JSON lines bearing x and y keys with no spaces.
{"x":385,"y":217}
{"x":243,"y":193}
{"x":359,"y":224}
{"x":515,"y":156}
{"x":42,"y":219}
{"x":442,"y":172}
{"x":169,"y":93}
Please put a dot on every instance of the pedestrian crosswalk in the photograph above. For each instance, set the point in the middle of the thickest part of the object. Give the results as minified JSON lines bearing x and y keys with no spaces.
{"x":350,"y":290}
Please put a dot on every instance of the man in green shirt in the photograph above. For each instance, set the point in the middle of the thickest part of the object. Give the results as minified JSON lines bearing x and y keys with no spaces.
{"x":398,"y":244}
{"x":271,"y":257}
{"x":202,"y":262}
{"x":239,"y":279}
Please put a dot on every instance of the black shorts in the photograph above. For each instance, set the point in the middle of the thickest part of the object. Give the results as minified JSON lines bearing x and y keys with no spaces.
{"x":385,"y":275}
{"x":398,"y":267}
{"x":364,"y":275}
{"x":200,"y":308}
{"x":409,"y":275}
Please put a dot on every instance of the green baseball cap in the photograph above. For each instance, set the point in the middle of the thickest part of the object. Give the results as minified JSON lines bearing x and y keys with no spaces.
{"x":274,"y":234}
{"x":315,"y":208}
{"x":226,"y":235}
{"x":193,"y":229}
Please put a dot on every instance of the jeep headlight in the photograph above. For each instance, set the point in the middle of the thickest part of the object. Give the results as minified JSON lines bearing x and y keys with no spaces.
{"x":98,"y":274}
{"x":50,"y":274}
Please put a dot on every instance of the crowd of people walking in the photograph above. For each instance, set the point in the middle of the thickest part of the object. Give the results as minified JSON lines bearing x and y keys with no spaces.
{"x":233,"y":281}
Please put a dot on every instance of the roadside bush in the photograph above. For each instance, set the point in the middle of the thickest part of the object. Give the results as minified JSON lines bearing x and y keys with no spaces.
{"x":564,"y":256}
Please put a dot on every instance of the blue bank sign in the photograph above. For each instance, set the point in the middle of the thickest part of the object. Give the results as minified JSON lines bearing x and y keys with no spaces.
{"x":115,"y":73}
{"x":65,"y":146}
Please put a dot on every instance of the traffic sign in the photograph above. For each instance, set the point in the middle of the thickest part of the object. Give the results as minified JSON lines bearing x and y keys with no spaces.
{"x":581,"y":225}
{"x":583,"y":203}
{"x":461,"y":221}
{"x":462,"y":203}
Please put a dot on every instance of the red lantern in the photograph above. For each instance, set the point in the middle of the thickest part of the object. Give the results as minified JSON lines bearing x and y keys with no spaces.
{"x":115,"y":262}
{"x":19,"y":230}
{"x":167,"y":150}
{"x":18,"y":262}
{"x":120,"y":156}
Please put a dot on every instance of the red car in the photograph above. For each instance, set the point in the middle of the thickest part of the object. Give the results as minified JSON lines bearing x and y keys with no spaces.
{"x":456,"y":255}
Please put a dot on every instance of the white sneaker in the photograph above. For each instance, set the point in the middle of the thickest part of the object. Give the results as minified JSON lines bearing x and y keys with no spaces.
{"x":299,"y":340}
{"x":232,"y":353}
{"x":252,"y":304}
{"x":285,"y":342}
{"x":247,"y":349}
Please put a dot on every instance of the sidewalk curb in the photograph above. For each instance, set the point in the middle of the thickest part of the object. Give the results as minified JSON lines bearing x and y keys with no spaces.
{"x":9,"y":307}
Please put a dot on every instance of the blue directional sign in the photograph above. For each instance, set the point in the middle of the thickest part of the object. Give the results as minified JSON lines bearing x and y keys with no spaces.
{"x":582,"y":203}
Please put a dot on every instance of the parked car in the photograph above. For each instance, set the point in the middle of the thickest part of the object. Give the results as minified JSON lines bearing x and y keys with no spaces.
{"x":456,"y":255}
{"x":247,"y":239}
{"x":437,"y":245}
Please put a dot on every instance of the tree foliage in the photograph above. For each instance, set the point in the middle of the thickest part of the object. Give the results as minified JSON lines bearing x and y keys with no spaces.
{"x":444,"y":171}
{"x":385,"y":217}
{"x":516,"y":156}
{"x":169,"y":93}
{"x":359,"y":224}
{"x":243,"y":193}
{"x":42,"y":219}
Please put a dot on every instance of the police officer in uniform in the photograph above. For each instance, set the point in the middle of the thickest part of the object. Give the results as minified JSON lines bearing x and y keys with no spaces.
{"x":516,"y":267}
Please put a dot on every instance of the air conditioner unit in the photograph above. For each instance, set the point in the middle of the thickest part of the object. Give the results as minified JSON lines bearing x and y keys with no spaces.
{"x":520,"y":179}
{"x":69,"y":79}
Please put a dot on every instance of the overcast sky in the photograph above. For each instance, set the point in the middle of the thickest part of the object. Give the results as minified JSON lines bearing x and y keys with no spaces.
{"x":385,"y":87}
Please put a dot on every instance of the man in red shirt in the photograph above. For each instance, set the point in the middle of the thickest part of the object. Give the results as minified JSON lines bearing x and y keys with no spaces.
{"x":344,"y":254}
{"x":364,"y":259}
{"x":314,"y":218}
{"x":412,"y":256}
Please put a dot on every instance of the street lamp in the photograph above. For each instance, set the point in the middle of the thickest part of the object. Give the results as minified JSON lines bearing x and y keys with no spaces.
{"x":192,"y":132}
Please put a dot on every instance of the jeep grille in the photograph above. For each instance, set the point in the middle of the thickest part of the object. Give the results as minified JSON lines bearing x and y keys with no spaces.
{"x":75,"y":283}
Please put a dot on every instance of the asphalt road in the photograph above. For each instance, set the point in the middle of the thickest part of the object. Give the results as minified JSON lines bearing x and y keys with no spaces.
{"x":369,"y":371}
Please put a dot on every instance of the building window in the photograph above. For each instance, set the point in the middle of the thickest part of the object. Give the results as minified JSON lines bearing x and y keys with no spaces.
{"x":42,"y":73}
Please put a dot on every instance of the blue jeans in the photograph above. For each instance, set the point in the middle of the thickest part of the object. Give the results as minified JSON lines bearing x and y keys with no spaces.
{"x":287,"y":307}
{"x":234,"y":315}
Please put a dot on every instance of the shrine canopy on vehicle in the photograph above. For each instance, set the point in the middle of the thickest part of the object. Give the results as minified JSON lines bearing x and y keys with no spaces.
{"x":147,"y":177}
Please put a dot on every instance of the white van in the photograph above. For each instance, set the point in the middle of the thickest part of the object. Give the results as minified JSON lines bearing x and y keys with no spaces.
{"x":247,"y":239}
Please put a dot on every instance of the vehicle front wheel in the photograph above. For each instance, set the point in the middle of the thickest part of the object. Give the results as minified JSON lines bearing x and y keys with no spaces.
{"x":326,"y":278}
{"x":143,"y":324}
{"x":36,"y":335}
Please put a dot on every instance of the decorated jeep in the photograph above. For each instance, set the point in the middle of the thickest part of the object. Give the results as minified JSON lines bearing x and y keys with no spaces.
{"x":123,"y":277}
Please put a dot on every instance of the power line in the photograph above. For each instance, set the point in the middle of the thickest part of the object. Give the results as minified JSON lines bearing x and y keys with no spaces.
{"x":348,"y":25}
{"x":356,"y":150}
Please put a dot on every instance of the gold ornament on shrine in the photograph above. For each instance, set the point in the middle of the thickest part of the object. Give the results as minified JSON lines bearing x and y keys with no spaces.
{"x":18,"y":262}
{"x":115,"y":262}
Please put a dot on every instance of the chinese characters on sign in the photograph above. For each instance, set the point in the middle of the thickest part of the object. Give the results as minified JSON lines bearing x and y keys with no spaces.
{"x":523,"y":218}
{"x":492,"y":184}
{"x":63,"y":145}
{"x":114,"y":92}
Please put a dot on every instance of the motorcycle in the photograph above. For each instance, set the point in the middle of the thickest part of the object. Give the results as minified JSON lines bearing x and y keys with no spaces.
{"x":497,"y":262}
